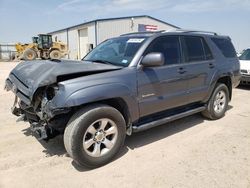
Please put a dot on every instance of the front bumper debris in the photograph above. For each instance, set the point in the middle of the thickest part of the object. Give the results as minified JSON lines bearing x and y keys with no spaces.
{"x":43,"y":131}
{"x":39,"y":129}
{"x":14,"y":109}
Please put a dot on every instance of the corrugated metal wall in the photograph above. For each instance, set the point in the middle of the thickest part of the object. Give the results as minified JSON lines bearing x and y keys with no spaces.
{"x":105,"y":29}
{"x":113,"y":28}
{"x":73,"y":44}
{"x":83,"y":43}
{"x":149,"y":21}
{"x":73,"y":39}
{"x":7,"y":52}
{"x":62,"y":36}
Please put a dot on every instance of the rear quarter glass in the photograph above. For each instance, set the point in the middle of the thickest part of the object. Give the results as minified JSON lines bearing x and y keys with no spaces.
{"x":225,"y":46}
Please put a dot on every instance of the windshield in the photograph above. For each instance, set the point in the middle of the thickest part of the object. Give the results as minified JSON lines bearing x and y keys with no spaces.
{"x":245,"y":55}
{"x":118,"y":51}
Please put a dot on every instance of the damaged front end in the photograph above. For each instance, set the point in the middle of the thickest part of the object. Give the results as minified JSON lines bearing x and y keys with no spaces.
{"x":45,"y":119}
{"x":41,"y":96}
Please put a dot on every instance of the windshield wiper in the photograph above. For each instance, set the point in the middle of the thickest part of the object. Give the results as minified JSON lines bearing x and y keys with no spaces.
{"x":101,"y":61}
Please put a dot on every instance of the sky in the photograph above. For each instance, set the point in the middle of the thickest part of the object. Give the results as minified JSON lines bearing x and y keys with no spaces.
{"x":22,"y":19}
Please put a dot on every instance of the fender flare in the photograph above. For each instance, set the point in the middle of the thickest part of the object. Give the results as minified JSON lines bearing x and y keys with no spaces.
{"x":213,"y":82}
{"x":104,"y":92}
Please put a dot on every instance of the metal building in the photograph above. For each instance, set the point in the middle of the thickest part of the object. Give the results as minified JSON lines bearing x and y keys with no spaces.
{"x":7,"y":52}
{"x":83,"y":37}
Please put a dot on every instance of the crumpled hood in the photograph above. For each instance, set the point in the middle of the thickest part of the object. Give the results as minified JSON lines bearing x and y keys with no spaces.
{"x":35,"y":74}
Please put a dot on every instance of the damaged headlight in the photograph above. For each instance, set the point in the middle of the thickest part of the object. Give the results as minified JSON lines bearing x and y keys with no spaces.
{"x":48,"y":94}
{"x":51,"y":92}
{"x":46,"y":103}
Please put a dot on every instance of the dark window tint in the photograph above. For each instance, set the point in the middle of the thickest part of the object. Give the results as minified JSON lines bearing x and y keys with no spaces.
{"x":207,"y":50}
{"x":169,"y":46}
{"x":225,"y":46}
{"x":194,"y":49}
{"x":245,"y":55}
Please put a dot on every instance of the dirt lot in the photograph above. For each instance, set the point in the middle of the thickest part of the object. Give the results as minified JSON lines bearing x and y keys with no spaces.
{"x":191,"y":152}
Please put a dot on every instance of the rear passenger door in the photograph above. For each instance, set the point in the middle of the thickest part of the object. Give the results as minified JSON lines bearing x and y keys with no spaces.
{"x":200,"y":67}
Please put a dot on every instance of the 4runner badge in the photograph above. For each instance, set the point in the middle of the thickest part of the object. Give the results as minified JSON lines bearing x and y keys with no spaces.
{"x":148,"y":95}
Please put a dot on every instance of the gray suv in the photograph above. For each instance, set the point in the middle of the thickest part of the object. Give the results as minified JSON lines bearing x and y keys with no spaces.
{"x":126,"y":84}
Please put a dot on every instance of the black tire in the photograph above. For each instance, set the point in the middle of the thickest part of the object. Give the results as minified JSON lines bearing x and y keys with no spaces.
{"x":55,"y":54}
{"x":13,"y":56}
{"x":78,"y":127}
{"x":29,"y":55}
{"x":210,"y":111}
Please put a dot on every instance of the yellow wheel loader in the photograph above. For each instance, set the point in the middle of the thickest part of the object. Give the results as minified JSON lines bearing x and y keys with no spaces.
{"x":42,"y":47}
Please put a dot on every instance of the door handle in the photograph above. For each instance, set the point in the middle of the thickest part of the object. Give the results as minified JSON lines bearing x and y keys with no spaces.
{"x":211,"y":65}
{"x":181,"y":70}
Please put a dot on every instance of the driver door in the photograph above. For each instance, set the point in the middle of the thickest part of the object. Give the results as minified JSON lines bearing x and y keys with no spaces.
{"x":163,"y":87}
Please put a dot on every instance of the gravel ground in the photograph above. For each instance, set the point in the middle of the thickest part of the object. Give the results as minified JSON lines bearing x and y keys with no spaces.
{"x":191,"y":152}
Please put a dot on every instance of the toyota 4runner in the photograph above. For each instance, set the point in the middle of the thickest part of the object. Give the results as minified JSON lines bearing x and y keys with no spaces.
{"x":126,"y":84}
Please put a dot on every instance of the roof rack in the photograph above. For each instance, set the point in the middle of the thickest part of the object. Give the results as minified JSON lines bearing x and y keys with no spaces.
{"x":171,"y":30}
{"x":191,"y":31}
{"x":145,"y":32}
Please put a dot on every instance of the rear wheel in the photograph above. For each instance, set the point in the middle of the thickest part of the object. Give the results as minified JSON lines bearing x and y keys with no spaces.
{"x":55,"y":54}
{"x":29,"y":54}
{"x":94,"y":135}
{"x":218,"y":103}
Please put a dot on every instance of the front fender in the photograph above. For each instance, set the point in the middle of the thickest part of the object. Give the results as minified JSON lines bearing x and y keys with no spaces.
{"x":101,"y":92}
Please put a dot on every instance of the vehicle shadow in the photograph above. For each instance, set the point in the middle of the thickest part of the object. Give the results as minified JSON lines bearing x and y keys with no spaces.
{"x":152,"y":135}
{"x":244,"y":87}
{"x":229,"y":107}
{"x":155,"y":134}
{"x":55,"y":146}
{"x":52,"y":147}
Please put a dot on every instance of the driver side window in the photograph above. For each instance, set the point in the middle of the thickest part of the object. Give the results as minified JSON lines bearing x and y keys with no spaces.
{"x":169,"y":46}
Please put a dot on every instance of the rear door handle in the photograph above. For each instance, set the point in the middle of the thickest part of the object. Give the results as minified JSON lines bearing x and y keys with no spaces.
{"x":211,"y":65}
{"x":181,"y":70}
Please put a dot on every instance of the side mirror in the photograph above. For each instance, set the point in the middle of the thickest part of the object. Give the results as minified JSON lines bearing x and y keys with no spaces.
{"x":153,"y":59}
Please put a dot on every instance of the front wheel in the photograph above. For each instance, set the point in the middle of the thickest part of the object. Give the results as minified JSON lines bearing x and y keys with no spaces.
{"x":94,"y":135}
{"x":218,"y":103}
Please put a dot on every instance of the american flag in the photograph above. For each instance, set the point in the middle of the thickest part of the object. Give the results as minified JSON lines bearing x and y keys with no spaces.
{"x":142,"y":27}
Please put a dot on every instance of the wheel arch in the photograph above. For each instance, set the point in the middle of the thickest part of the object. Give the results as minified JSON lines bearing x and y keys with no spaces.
{"x":113,"y":94}
{"x":117,"y":103}
{"x":228,"y":82}
{"x":224,"y":79}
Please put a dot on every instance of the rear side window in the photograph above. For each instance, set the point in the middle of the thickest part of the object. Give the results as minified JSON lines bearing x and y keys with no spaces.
{"x":194,"y":49}
{"x":207,"y":50}
{"x":226,"y":47}
{"x":169,"y":46}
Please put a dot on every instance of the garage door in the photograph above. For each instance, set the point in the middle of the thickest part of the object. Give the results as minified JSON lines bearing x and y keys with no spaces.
{"x":83,"y":41}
